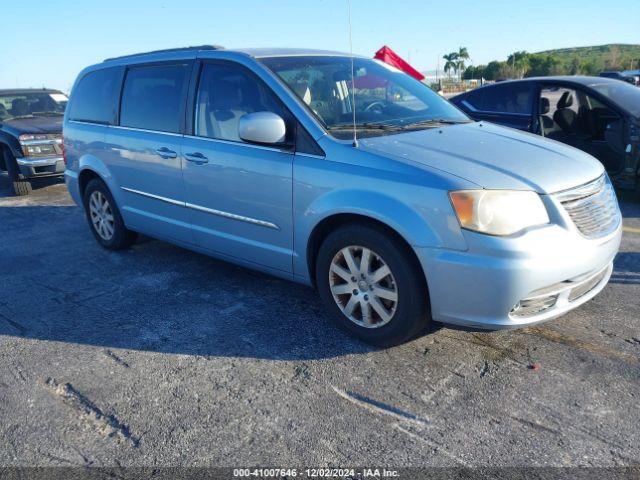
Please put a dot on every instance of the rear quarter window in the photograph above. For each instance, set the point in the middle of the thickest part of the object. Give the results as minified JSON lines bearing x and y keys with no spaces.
{"x":94,"y":98}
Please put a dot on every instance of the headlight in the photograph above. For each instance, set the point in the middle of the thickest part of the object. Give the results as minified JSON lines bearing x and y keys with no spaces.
{"x":36,"y":150}
{"x":498,"y":212}
{"x":35,"y":145}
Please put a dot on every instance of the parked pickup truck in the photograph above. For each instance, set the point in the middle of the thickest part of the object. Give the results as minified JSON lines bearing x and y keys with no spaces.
{"x":31,"y":135}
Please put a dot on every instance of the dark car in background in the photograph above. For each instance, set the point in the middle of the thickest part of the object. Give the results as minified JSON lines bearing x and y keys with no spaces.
{"x":623,"y":76}
{"x":31,"y":135}
{"x":600,"y":116}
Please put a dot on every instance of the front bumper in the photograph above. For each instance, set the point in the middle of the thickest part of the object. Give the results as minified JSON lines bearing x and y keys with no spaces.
{"x":31,"y":167}
{"x":482,"y":287}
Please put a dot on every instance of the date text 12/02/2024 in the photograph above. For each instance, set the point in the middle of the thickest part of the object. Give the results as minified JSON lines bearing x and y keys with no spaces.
{"x":348,"y":473}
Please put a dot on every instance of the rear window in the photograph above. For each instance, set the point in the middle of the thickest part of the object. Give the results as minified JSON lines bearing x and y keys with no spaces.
{"x":94,"y":97}
{"x":153,"y":96}
{"x":507,"y":98}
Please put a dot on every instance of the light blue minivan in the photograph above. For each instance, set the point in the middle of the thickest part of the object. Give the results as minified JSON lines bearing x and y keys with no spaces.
{"x":250,"y":156}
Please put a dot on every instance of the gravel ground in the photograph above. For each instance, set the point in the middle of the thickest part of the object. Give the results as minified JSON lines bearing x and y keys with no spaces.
{"x":158,"y":356}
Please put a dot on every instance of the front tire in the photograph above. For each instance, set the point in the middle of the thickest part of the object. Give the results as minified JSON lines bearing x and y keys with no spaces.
{"x":104,"y":218}
{"x":19,"y":185}
{"x":372,"y":285}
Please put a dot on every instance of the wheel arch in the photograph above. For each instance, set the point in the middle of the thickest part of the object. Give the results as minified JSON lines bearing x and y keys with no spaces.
{"x":6,"y":148}
{"x":11,"y":144}
{"x":84,"y":177}
{"x":332,"y":222}
{"x":414,"y":225}
{"x":89,"y":167}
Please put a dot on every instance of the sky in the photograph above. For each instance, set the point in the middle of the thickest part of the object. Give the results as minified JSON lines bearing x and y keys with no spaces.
{"x":47,"y":42}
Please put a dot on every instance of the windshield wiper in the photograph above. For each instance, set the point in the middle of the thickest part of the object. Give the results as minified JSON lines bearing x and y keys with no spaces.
{"x":365,"y":126}
{"x":434,"y":122}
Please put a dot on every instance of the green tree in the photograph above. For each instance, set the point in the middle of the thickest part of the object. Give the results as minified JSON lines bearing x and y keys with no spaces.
{"x":473,"y":72}
{"x":554,"y":65}
{"x":451,"y":63}
{"x":518,"y":63}
{"x":541,"y":65}
{"x":463,"y":54}
{"x":492,"y":70}
{"x":575,"y":67}
{"x":589,"y":68}
{"x":612,"y":61}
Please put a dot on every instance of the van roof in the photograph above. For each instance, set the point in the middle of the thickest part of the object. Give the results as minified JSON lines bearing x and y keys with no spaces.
{"x":289,"y":52}
{"x":168,"y":50}
{"x":252,"y":52}
{"x":26,"y":91}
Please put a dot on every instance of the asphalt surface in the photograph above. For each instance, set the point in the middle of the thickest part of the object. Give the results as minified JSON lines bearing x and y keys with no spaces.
{"x":157,"y":356}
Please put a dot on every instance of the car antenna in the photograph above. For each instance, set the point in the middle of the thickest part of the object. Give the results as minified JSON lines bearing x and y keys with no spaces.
{"x":353,"y":84}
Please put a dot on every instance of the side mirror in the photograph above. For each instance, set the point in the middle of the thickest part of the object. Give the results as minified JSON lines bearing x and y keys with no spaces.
{"x":265,"y":128}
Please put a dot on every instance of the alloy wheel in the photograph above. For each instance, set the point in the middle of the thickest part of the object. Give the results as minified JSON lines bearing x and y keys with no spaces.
{"x":363,"y":286}
{"x":101,"y":215}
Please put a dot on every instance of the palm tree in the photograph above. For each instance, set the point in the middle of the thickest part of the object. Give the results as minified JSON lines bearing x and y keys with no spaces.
{"x":463,"y":55}
{"x":451,"y":63}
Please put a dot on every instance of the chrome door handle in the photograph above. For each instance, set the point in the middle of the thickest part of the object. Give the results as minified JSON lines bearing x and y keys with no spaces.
{"x":164,"y":152}
{"x":196,"y":157}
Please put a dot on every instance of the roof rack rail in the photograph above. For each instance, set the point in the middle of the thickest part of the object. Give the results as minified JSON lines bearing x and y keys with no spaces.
{"x":179,"y":49}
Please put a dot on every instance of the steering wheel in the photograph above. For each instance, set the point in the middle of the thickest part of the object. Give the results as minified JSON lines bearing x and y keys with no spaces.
{"x":375,"y":106}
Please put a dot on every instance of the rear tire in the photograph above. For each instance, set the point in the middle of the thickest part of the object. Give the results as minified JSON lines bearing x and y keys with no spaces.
{"x":104,"y":218}
{"x":382,"y":310}
{"x":19,"y":185}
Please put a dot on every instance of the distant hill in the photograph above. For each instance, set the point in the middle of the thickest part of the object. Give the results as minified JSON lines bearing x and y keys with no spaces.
{"x":560,"y":61}
{"x":612,"y":56}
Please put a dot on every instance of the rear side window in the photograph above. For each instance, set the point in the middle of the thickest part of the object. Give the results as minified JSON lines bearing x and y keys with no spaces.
{"x":94,"y":98}
{"x":153,"y":96}
{"x":507,"y":98}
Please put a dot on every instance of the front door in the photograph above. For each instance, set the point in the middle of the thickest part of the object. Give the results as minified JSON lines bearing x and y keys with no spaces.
{"x":239,"y":195}
{"x":576,"y":118}
{"x":144,"y":150}
{"x":508,"y":104}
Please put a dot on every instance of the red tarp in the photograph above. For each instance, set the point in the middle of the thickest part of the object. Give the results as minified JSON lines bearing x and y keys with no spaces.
{"x":387,"y":55}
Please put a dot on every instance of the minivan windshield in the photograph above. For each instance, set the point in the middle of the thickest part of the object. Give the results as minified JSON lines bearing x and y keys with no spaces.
{"x":622,"y":93}
{"x":31,"y":104}
{"x":386,"y":99}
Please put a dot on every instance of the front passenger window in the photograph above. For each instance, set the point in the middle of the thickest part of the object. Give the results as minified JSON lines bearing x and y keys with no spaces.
{"x":226,"y":93}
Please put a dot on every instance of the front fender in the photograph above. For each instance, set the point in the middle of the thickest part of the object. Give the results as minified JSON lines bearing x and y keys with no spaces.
{"x":423,"y":223}
{"x":378,"y":206}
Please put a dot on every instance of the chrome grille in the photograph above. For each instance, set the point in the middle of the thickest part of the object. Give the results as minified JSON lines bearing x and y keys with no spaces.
{"x":592,"y":207}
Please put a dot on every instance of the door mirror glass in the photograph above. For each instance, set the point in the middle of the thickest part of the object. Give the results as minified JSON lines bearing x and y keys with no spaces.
{"x":262,"y":127}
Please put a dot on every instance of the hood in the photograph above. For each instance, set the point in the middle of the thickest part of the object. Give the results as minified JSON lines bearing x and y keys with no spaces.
{"x":18,"y":126}
{"x":492,"y":156}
